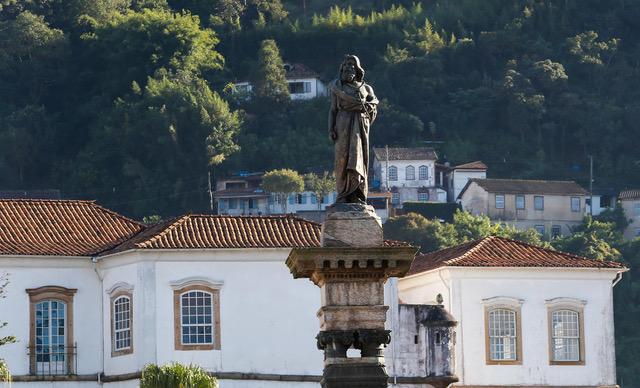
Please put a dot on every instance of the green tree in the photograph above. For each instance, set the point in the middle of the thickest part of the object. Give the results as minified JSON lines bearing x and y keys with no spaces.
{"x":429,"y":235}
{"x":321,"y":186}
{"x":615,"y":216}
{"x":269,"y":82}
{"x":593,"y":239}
{"x":283,"y":183}
{"x":176,"y":375}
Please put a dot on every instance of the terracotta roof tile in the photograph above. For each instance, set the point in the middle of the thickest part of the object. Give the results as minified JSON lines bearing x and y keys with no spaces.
{"x":629,"y":194}
{"x":477,"y":165}
{"x":398,"y":153}
{"x":298,"y":70}
{"x":63,"y":228}
{"x":502,"y":252}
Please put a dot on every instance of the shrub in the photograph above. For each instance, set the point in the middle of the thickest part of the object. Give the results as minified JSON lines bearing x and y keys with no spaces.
{"x":176,"y":375}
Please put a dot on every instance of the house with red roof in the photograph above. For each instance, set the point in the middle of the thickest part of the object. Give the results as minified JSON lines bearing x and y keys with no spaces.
{"x":527,"y":316}
{"x":304,"y":83}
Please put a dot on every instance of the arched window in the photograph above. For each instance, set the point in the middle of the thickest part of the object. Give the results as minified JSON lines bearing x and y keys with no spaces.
{"x":196,"y":315}
{"x":393,"y":173}
{"x":121,"y":321}
{"x":51,"y":337}
{"x":423,"y":173}
{"x":565,"y":335}
{"x":410,"y":173}
{"x":502,"y":335}
{"x":503,"y":331}
{"x":566,"y":331}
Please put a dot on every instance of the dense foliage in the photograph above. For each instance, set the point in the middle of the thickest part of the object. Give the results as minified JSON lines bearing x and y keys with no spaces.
{"x":176,"y":376}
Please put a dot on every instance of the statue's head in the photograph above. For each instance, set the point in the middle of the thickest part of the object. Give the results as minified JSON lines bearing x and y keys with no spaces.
{"x":350,"y":69}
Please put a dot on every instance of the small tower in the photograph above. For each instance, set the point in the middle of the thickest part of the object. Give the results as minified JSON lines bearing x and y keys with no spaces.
{"x":440,"y":337}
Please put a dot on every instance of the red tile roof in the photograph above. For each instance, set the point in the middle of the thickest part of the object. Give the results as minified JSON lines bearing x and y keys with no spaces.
{"x":298,"y":70}
{"x":502,"y":252}
{"x":629,"y":194}
{"x":477,"y":165}
{"x":61,"y":228}
{"x":209,"y":231}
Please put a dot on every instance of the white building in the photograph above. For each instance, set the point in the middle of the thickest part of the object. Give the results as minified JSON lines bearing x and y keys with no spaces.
{"x":460,"y":175}
{"x":527,"y":316}
{"x":630,"y":201}
{"x":304,"y":83}
{"x":409,"y":173}
{"x":94,"y":297}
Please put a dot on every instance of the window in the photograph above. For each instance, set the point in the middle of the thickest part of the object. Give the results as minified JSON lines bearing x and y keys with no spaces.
{"x":301,"y":199}
{"x":575,"y":204}
{"x":538,"y":202}
{"x":393,"y":173}
{"x":314,"y":199}
{"x":395,"y":198}
{"x":503,"y":331}
{"x":539,"y":229}
{"x":556,"y":231}
{"x":636,"y":209}
{"x":251,"y":203}
{"x":520,"y":202}
{"x":423,"y":173}
{"x":121,"y":325}
{"x":566,"y":331}
{"x":423,"y":197}
{"x":499,"y":201}
{"x":292,"y":199}
{"x":51,"y":350}
{"x":233,"y":203}
{"x":410,"y":173}
{"x":299,"y":87}
{"x":196,"y":317}
{"x":121,"y":299}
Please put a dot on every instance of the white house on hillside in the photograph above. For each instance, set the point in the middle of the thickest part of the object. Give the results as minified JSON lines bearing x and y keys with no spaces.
{"x":409,"y":173}
{"x":528,"y":316}
{"x":304,"y":83}
{"x":552,"y":208}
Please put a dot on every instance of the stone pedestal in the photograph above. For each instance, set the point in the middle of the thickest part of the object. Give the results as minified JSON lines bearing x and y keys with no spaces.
{"x":351,"y":268}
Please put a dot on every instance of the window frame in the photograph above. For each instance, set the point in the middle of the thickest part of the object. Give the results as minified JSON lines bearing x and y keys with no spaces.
{"x":425,"y":195}
{"x":540,"y":228}
{"x":572,"y":203}
{"x":569,"y":304}
{"x":496,"y":201}
{"x":555,"y":228}
{"x":392,"y":173}
{"x":410,"y":173}
{"x":423,"y":173}
{"x":503,"y":303}
{"x":535,"y":206}
{"x":185,"y":287}
{"x":51,"y":293}
{"x":121,"y":293}
{"x":524,"y":202}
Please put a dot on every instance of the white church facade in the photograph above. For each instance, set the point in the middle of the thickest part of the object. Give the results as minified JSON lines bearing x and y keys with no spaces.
{"x":93,"y":297}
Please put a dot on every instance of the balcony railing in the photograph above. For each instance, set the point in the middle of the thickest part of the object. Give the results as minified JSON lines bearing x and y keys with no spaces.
{"x":51,"y":360}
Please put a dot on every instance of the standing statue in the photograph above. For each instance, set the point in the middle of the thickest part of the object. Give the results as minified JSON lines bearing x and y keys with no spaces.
{"x":353,"y":110}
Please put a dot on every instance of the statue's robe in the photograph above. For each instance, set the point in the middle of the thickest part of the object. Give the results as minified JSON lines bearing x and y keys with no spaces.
{"x":353,"y":109}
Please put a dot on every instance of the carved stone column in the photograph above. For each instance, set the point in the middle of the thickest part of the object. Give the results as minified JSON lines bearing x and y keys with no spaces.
{"x":351,"y":268}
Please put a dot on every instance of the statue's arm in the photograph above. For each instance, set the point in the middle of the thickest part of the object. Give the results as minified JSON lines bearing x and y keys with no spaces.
{"x":371,"y":103}
{"x":333,"y":110}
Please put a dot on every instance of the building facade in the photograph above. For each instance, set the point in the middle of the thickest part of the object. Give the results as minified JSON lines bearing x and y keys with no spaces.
{"x":408,"y":173}
{"x":630,"y":202}
{"x":532,"y":317}
{"x":552,"y":208}
{"x":304,"y":83}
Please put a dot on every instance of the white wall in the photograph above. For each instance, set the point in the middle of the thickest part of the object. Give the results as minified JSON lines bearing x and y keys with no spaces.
{"x":33,"y":272}
{"x":380,"y":173}
{"x":317,"y":88}
{"x":469,"y":286}
{"x":461,"y":177}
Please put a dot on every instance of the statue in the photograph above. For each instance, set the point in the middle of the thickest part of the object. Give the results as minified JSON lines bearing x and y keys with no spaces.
{"x":353,"y":110}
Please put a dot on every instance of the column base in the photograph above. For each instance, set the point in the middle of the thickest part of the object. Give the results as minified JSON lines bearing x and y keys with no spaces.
{"x":355,"y":375}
